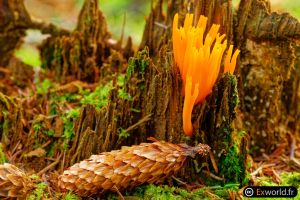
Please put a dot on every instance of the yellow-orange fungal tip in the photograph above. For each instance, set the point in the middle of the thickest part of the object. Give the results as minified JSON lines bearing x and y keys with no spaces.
{"x":198,"y":57}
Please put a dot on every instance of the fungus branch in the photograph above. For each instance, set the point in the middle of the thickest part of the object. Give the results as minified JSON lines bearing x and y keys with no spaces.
{"x":199,"y":57}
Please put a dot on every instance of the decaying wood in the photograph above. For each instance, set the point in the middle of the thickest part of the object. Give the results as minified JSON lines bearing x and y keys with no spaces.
{"x":84,"y":53}
{"x":11,"y":119}
{"x":268,"y":73}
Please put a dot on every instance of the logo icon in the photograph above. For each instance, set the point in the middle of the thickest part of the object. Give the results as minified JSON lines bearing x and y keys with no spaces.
{"x":248,"y":192}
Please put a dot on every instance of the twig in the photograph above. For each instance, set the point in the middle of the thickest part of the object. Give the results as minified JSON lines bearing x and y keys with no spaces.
{"x":213,"y":161}
{"x":48,"y":28}
{"x":119,"y":193}
{"x":15,"y":148}
{"x":141,"y":121}
{"x":13,"y":157}
{"x":295,"y":161}
{"x":46,"y":144}
{"x":63,"y":161}
{"x":123,"y":29}
{"x":213,"y":175}
{"x":278,"y":179}
{"x":260,"y":168}
{"x":134,"y":126}
{"x":293,"y":146}
{"x":161,"y":25}
{"x":179,"y":181}
{"x":212,"y":195}
{"x":49,"y":166}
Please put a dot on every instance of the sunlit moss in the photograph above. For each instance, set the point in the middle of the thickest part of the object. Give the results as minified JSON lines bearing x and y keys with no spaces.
{"x":39,"y":193}
{"x":3,"y":158}
{"x":29,"y":55}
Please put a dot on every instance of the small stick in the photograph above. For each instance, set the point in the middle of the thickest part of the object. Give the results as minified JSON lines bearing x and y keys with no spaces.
{"x":49,"y":166}
{"x":213,"y":175}
{"x":260,"y":168}
{"x":119,"y":193}
{"x":179,"y":181}
{"x":161,"y":25}
{"x":293,"y":146}
{"x":63,"y":161}
{"x":278,"y":179}
{"x":141,"y":121}
{"x":213,"y":161}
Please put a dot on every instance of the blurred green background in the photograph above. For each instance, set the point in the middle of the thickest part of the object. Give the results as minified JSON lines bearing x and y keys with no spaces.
{"x":64,"y":13}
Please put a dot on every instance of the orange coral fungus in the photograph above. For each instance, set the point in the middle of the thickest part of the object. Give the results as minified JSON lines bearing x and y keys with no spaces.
{"x":199,"y":58}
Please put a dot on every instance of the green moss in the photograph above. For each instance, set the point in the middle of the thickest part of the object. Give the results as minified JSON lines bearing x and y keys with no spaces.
{"x":66,"y":97}
{"x":70,"y":196}
{"x":68,"y":122}
{"x":5,"y":126}
{"x":287,"y":179}
{"x":230,"y":165}
{"x":51,"y":149}
{"x":99,"y":97}
{"x":34,"y":177}
{"x":290,"y":179}
{"x":49,"y":132}
{"x":234,"y":99}
{"x":122,"y":91}
{"x":138,"y":64}
{"x":75,"y":53}
{"x":47,"y":54}
{"x":121,"y":80}
{"x":5,"y":100}
{"x":173,"y":193}
{"x":57,"y":52}
{"x":3,"y":158}
{"x":29,"y":55}
{"x":123,"y":133}
{"x":37,"y":127}
{"x":124,"y":95}
{"x":44,"y":86}
{"x":39,"y":192}
{"x":130,"y":68}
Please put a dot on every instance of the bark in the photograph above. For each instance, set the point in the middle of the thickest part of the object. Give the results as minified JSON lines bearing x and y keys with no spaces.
{"x":268,"y":73}
{"x":13,"y":24}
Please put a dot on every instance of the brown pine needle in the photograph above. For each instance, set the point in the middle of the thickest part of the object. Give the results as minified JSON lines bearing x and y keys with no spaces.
{"x":49,"y":166}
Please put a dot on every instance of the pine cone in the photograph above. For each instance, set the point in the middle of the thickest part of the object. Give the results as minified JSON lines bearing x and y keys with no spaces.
{"x":13,"y":182}
{"x":127,"y":168}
